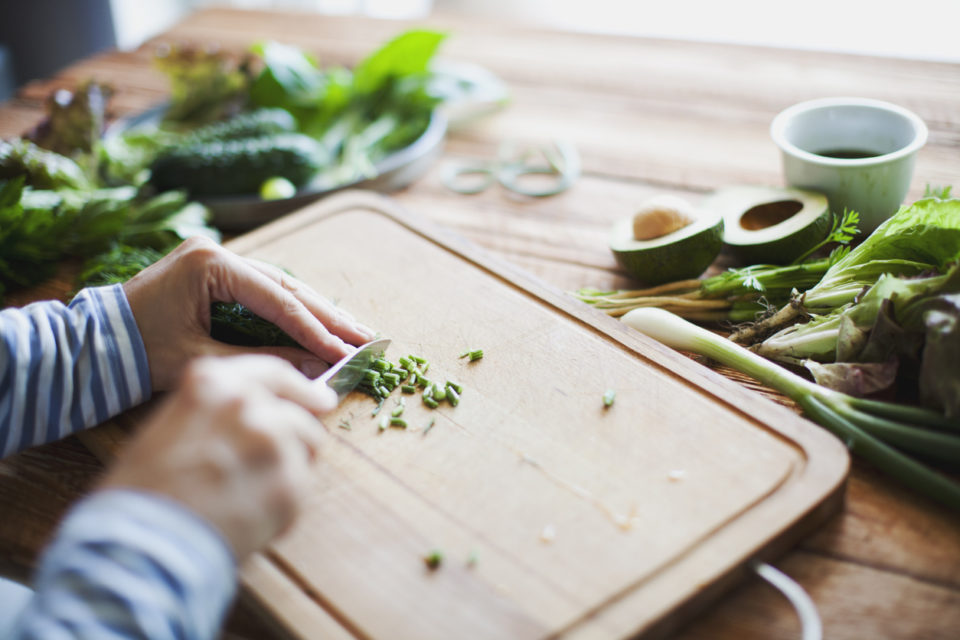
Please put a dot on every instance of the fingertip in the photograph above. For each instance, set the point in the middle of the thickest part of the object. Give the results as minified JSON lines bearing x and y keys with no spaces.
{"x":365,"y":331}
{"x":326,"y":400}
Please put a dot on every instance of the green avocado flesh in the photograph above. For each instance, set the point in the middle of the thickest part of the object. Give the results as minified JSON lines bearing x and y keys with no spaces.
{"x":770,"y":225}
{"x":680,"y":255}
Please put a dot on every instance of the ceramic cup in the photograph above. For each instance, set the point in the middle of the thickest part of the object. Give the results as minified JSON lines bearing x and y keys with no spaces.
{"x":858,"y":152}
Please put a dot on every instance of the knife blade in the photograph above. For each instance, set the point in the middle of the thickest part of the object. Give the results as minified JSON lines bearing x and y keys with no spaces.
{"x":344,"y":376}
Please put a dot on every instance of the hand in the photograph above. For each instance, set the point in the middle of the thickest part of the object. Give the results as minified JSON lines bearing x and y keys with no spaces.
{"x":171,"y":303}
{"x":234,"y":444}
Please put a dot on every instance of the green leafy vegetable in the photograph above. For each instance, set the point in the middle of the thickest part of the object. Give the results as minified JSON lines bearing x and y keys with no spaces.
{"x":40,"y":168}
{"x":74,"y":122}
{"x":206,"y":85}
{"x":843,"y":231}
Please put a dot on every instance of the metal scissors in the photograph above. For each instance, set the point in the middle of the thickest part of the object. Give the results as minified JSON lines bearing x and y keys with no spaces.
{"x":559,"y":159}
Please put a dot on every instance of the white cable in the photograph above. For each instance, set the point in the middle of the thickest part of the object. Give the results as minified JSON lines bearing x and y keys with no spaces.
{"x":812,"y":628}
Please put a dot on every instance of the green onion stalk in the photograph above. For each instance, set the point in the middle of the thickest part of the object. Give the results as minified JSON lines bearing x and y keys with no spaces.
{"x":881,"y":433}
{"x":736,"y":295}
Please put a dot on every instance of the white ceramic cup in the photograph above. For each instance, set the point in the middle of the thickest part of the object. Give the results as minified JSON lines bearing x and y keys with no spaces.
{"x":814,"y":137}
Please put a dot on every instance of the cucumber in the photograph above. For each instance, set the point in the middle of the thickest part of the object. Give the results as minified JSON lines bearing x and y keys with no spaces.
{"x":252,"y":124}
{"x":227,"y":167}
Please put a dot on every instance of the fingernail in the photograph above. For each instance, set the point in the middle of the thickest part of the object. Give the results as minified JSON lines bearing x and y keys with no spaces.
{"x":369,"y":333}
{"x":312,"y":367}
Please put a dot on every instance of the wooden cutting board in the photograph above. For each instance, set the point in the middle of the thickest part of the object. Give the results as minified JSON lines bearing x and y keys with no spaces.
{"x":555,"y":515}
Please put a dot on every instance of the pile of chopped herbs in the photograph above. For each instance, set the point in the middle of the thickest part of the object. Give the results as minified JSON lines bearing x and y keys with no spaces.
{"x":409,"y":374}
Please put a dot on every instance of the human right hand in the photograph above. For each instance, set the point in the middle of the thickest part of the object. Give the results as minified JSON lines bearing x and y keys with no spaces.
{"x":234,"y":444}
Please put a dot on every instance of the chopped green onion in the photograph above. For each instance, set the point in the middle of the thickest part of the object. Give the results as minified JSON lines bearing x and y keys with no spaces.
{"x":398,"y":422}
{"x":474,"y":354}
{"x":456,"y":387}
{"x":384,"y":422}
{"x":608,"y":397}
{"x":408,"y":388}
{"x":429,"y":426}
{"x":452,"y":396}
{"x":434,"y":559}
{"x":376,"y":409}
{"x":382,"y":365}
{"x":430,"y":402}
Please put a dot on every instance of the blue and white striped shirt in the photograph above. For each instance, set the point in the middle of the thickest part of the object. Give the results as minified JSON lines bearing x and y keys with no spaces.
{"x":124,"y":564}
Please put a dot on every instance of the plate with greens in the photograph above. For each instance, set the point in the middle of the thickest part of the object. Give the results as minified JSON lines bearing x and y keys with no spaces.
{"x":256,"y":138}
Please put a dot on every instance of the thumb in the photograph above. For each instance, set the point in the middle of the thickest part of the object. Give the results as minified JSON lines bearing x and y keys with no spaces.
{"x":305,"y":362}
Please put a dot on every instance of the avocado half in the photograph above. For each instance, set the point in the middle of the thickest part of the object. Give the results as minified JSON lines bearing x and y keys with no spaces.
{"x":680,"y":255}
{"x":770,"y":225}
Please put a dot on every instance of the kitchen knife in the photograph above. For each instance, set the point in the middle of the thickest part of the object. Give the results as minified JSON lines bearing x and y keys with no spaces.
{"x":344,"y":376}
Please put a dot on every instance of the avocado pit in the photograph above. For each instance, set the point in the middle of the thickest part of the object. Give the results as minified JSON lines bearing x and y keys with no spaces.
{"x":661,"y":216}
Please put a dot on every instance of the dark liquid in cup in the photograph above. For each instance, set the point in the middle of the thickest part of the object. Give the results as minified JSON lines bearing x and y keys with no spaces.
{"x":847,"y":154}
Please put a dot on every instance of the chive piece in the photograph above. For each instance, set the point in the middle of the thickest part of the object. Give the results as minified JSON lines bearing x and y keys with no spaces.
{"x":429,"y":426}
{"x":476,"y":355}
{"x":376,"y":409}
{"x":438,"y":394}
{"x":424,"y":367}
{"x":402,"y":372}
{"x":430,"y":402}
{"x":384,"y":423}
{"x":391,"y":378}
{"x":423,"y":382}
{"x":433,"y":560}
{"x":381,"y":365}
{"x":452,"y":396}
{"x":406,"y":363}
{"x":456,"y":387}
{"x":608,"y":397}
{"x":398,"y":422}
{"x":408,"y":388}
{"x":397,"y":411}
{"x":383,"y":391}
{"x":418,"y":360}
{"x":414,"y":378}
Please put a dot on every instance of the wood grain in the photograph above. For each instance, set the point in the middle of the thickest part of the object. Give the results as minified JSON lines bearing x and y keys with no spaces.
{"x":529,"y":446}
{"x":652,"y":113}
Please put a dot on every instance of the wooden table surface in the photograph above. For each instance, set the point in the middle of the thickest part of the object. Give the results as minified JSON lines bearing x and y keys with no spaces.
{"x":649,"y":117}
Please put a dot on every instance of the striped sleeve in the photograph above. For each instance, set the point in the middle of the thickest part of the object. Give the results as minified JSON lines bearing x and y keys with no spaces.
{"x":127,"y":564}
{"x":66,"y":368}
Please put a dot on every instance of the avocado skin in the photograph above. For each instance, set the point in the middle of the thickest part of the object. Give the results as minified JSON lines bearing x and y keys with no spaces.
{"x":679,"y":260}
{"x":227,"y":167}
{"x":786,"y":249}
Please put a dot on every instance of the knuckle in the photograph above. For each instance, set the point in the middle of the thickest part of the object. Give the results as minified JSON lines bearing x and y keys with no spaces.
{"x":200,"y":251}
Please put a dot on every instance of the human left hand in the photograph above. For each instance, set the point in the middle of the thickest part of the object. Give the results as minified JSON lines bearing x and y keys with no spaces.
{"x":171,"y":303}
